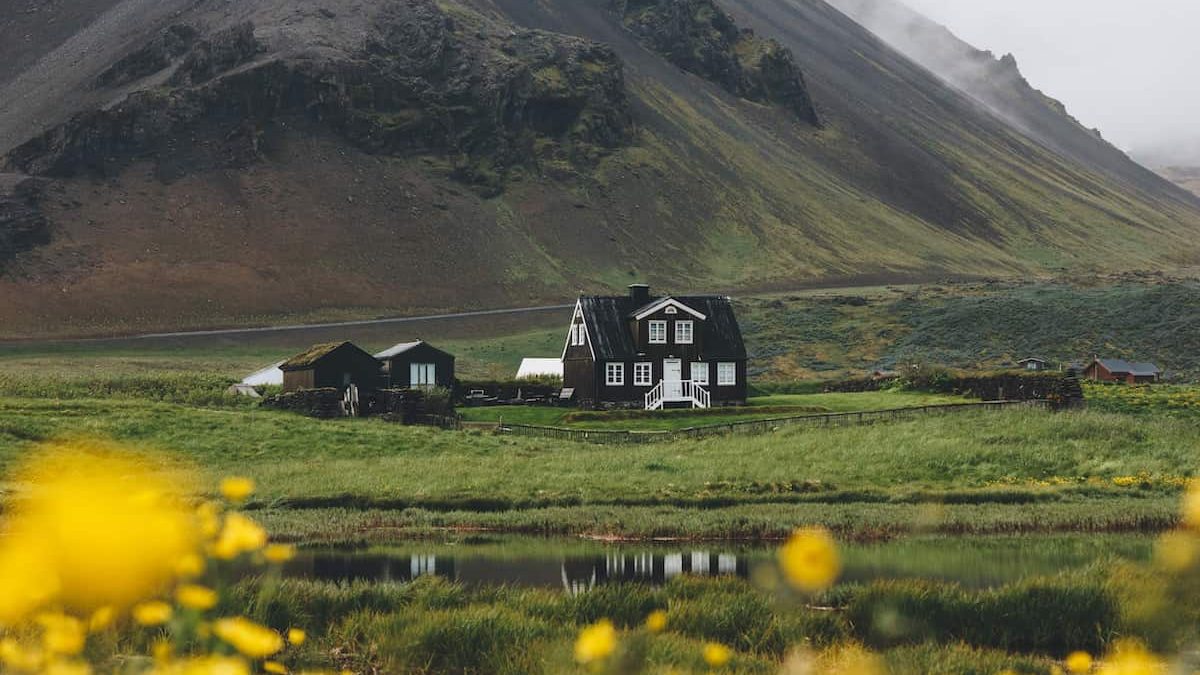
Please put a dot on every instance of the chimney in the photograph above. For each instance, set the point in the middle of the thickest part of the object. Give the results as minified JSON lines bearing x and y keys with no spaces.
{"x":639,"y":294}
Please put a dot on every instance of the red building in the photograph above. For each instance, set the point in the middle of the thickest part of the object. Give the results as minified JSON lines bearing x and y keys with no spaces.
{"x":1118,"y":370}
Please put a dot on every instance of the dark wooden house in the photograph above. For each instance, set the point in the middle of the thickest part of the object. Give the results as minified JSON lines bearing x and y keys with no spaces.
{"x":334,"y":365}
{"x":1118,"y":370}
{"x":654,"y":352}
{"x":416,"y":365}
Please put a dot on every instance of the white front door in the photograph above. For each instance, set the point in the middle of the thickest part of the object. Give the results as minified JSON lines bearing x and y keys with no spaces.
{"x":673,"y":379}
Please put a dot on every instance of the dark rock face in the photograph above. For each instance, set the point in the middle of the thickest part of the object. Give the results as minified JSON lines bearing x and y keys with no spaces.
{"x":22,"y":226}
{"x":421,"y":83}
{"x":701,"y":38}
{"x":155,"y":56}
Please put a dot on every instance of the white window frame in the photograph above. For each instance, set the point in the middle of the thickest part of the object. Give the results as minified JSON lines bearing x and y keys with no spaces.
{"x":643,"y":374}
{"x":662,"y":340}
{"x":614,"y":374}
{"x":672,"y":310}
{"x":578,"y":335}
{"x":726,"y":374}
{"x":699,"y":368}
{"x":422,"y":375}
{"x":691,"y":332}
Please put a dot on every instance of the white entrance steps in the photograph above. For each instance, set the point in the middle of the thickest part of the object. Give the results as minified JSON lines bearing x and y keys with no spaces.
{"x":683,"y":391}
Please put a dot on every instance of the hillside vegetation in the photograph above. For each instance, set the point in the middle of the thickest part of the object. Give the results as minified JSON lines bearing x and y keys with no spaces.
{"x":204,"y":163}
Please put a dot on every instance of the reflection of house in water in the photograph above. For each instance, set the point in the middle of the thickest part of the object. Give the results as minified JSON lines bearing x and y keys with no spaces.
{"x":574,"y":574}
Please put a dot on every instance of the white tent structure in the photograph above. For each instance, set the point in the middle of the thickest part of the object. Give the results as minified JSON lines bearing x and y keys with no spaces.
{"x":540,"y":368}
{"x":269,"y":375}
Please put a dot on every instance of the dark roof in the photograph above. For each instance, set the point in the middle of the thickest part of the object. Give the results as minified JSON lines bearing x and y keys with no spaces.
{"x":309,"y":357}
{"x":1133,"y":368}
{"x":608,"y":320}
{"x":1032,"y":358}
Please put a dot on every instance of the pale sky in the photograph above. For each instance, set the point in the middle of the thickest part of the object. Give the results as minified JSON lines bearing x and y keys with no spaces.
{"x":1131,"y":68}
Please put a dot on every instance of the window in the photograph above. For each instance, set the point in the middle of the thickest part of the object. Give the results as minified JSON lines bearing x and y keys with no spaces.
{"x":684,"y":330}
{"x":700,"y":373}
{"x":614,"y":374}
{"x":578,"y":335}
{"x":422,"y":375}
{"x":658,"y":332}
{"x":726,"y":374}
{"x":643,"y":374}
{"x":672,"y":310}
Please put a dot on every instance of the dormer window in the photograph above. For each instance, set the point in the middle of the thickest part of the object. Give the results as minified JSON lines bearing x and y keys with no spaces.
{"x":684,"y":332}
{"x":658,"y":332}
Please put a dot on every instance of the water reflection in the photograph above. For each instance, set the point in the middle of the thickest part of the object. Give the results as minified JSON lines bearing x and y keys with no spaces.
{"x":574,"y":574}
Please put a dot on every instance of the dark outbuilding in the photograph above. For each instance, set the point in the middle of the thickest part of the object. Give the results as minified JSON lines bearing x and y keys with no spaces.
{"x":335,"y":365}
{"x":416,"y":365}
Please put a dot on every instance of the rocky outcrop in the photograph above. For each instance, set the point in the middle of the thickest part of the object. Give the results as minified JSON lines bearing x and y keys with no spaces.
{"x":701,"y":38}
{"x":422,"y":82}
{"x":155,"y":56}
{"x":22,"y":225}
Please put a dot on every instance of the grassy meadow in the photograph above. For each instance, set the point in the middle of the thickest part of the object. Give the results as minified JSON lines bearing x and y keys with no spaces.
{"x":1096,"y":483}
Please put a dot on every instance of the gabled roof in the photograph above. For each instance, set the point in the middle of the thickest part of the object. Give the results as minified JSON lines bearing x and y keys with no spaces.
{"x":1133,"y":368}
{"x":662,"y":303}
{"x":269,"y":375}
{"x":1031,"y":359}
{"x":608,"y":320}
{"x":309,"y":357}
{"x":403,"y":347}
{"x":536,"y":367}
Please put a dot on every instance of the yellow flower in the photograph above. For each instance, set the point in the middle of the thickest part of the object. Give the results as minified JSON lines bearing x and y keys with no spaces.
{"x":1191,"y":506}
{"x":657,"y":621}
{"x":236,"y":489}
{"x":17,"y":657}
{"x":193,"y":596}
{"x":209,"y":516}
{"x":27,"y":581}
{"x":247,"y":637}
{"x":162,"y":651}
{"x":239,"y":535}
{"x":1079,"y":662}
{"x":1177,"y":551}
{"x":153,"y":613}
{"x":717,"y":655}
{"x":189,"y":566}
{"x":275,"y":667}
{"x":104,"y":527}
{"x":62,"y":634}
{"x":101,"y":618}
{"x":296,"y":636}
{"x":810,"y":560}
{"x":1129,"y":657}
{"x":279,"y":553}
{"x":596,"y":642}
{"x":208,"y":665}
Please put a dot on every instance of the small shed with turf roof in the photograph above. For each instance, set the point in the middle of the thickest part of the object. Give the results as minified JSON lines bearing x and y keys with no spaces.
{"x":334,"y":365}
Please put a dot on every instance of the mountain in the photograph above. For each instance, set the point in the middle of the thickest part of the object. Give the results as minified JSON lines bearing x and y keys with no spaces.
{"x":197,"y":162}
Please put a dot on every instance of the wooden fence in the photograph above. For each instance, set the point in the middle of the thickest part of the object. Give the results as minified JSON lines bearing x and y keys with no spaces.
{"x":763,"y":426}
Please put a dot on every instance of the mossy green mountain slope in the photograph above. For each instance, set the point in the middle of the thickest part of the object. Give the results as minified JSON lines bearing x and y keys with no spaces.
{"x":269,"y":159}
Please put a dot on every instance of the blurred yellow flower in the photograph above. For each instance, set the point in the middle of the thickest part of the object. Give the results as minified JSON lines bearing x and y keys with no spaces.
{"x":810,"y":560}
{"x":61,"y":634}
{"x":1191,"y":506}
{"x":656,"y":622}
{"x":103,"y":527}
{"x":194,"y":596}
{"x":1079,"y":662}
{"x":206,"y":665}
{"x":101,"y":619}
{"x":247,"y":637}
{"x":67,"y":668}
{"x":596,"y":642}
{"x":717,"y":655}
{"x":1130,"y":657}
{"x":279,"y":553}
{"x":236,"y":488}
{"x":296,"y":636}
{"x":189,"y":566}
{"x":1177,"y":551}
{"x":275,"y":667}
{"x":153,"y":613}
{"x":239,"y":535}
{"x":16,"y":657}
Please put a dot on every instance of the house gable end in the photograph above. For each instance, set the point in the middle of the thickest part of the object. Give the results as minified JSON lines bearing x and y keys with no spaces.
{"x":667,"y":304}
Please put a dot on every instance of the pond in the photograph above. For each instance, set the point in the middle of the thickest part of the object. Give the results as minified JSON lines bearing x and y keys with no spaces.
{"x":577,"y":566}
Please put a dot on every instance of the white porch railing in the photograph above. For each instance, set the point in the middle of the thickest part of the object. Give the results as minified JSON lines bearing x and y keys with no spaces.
{"x":684,"y":391}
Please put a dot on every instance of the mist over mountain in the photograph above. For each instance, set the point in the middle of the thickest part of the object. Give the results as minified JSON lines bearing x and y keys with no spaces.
{"x":188,"y":163}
